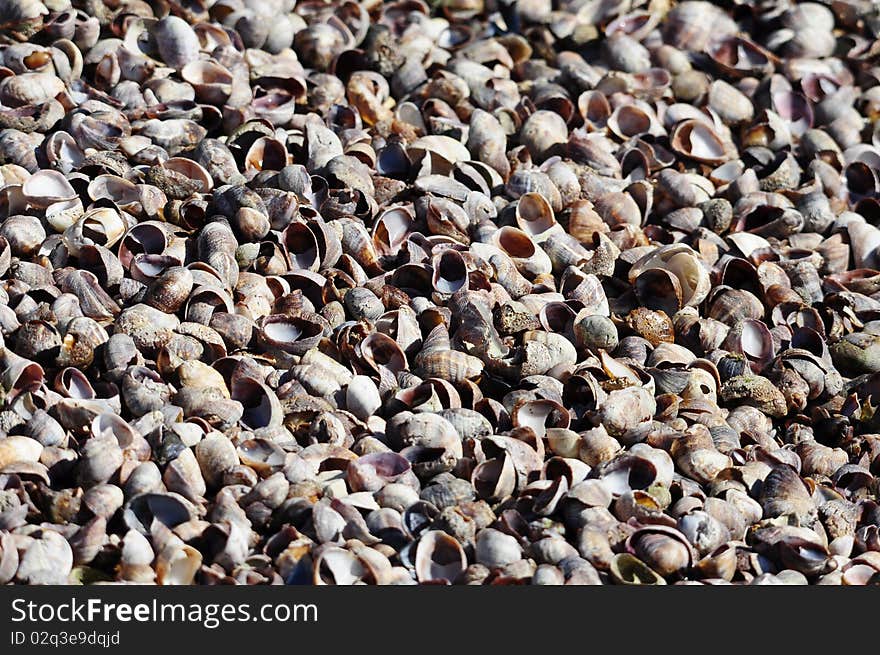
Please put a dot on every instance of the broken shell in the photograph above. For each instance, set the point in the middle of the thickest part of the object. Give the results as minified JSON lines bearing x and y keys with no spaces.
{"x":567,"y":293}
{"x":495,"y":549}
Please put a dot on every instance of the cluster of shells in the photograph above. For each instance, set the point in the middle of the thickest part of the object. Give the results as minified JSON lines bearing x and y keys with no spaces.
{"x":480,"y":292}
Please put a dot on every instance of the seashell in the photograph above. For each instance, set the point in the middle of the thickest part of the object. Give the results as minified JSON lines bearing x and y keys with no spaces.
{"x":656,"y":327}
{"x":693,"y":25}
{"x":19,"y":375}
{"x":487,"y":140}
{"x":176,"y":42}
{"x":855,"y":354}
{"x":451,"y":365}
{"x":682,"y":263}
{"x":362,"y":397}
{"x":783,"y":493}
{"x":99,"y":460}
{"x":292,"y":334}
{"x":136,"y":558}
{"x":752,"y":339}
{"x":595,"y":332}
{"x":694,"y":139}
{"x":174,"y":135}
{"x":363,"y":304}
{"x":528,"y":258}
{"x":47,"y":187}
{"x":626,"y":408}
{"x":19,"y":449}
{"x":579,"y":293}
{"x":755,"y":391}
{"x":216,"y":455}
{"x":177,"y":565}
{"x":44,"y":429}
{"x":170,"y":290}
{"x":391,"y":229}
{"x":731,"y":105}
{"x":629,"y":570}
{"x":597,"y":447}
{"x":148,"y":327}
{"x":439,"y":557}
{"x":819,"y":459}
{"x":335,"y":566}
{"x":9,"y":558}
{"x":262,"y":408}
{"x":624,"y":53}
{"x":184,"y":476}
{"x":704,"y":532}
{"x":199,"y":375}
{"x":543,"y":134}
{"x":739,"y":57}
{"x":720,"y":563}
{"x":664,"y":550}
{"x":798,"y":548}
{"x":371,"y":472}
{"x":23,"y":234}
{"x":858,"y":573}
{"x":494,"y":479}
{"x":47,"y":559}
{"x":536,"y":414}
{"x":211,"y":82}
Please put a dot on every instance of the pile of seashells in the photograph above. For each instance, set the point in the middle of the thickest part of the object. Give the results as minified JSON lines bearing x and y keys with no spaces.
{"x":475,"y":292}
